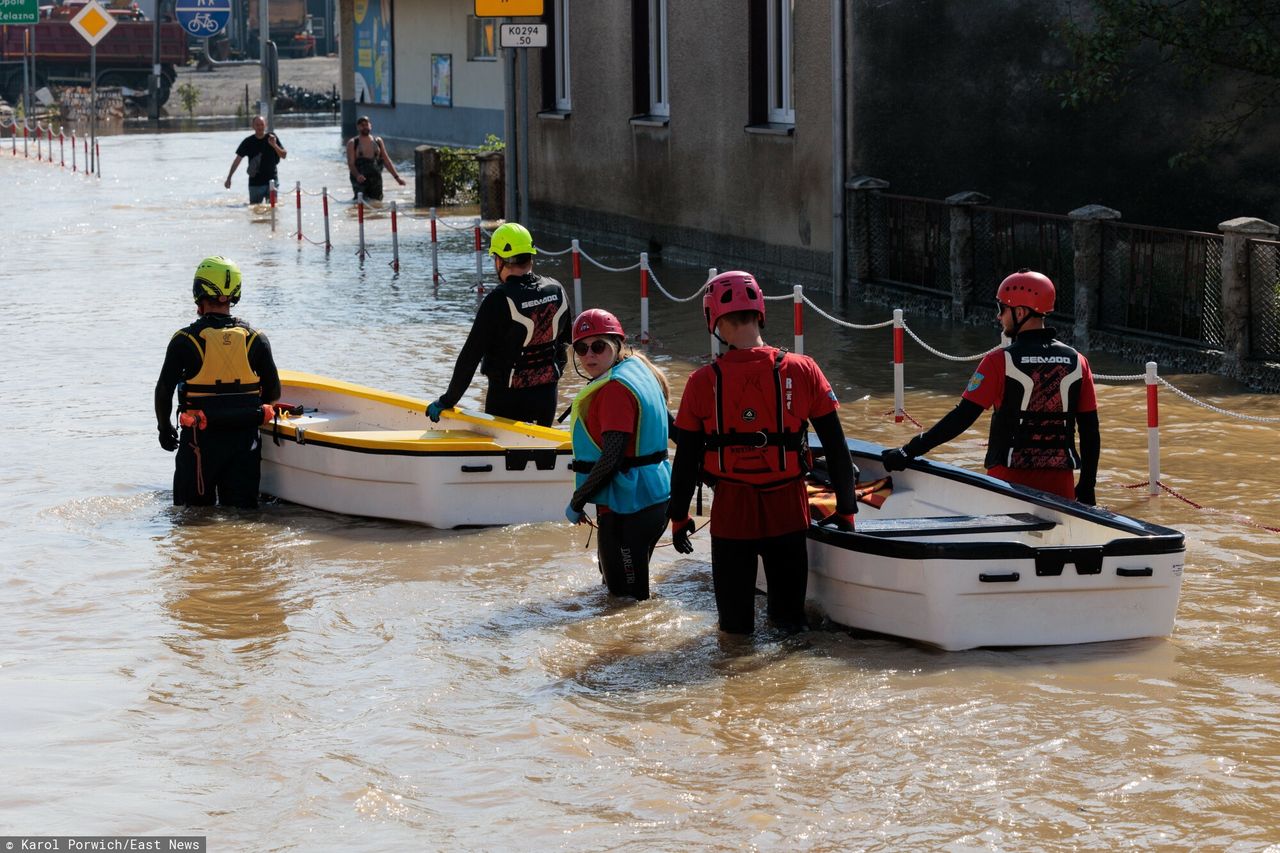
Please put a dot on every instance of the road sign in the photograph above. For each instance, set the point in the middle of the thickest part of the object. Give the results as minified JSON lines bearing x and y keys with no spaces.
{"x":505,"y":8}
{"x":202,"y":18}
{"x":19,"y":11}
{"x":522,"y":35}
{"x":93,"y":22}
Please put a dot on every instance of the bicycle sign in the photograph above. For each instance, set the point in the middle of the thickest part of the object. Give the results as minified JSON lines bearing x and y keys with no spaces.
{"x":204,"y":18}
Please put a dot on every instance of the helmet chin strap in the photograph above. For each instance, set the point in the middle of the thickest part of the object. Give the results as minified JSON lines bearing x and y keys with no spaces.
{"x":1018,"y":324}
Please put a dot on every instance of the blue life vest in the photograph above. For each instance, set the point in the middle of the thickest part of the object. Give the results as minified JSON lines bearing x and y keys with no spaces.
{"x":644,"y":479}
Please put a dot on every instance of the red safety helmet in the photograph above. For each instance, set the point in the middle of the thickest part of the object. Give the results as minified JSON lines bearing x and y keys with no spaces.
{"x":596,"y":321}
{"x":731,"y":291}
{"x":1027,"y":289}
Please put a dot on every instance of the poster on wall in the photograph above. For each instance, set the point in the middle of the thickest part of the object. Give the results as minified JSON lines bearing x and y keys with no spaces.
{"x":442,"y":79}
{"x":374,"y":53}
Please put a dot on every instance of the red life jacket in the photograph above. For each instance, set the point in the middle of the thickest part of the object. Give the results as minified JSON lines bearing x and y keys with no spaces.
{"x":756,"y":440}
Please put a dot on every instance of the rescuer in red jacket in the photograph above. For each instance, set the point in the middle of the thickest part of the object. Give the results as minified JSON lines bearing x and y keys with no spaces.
{"x":742,"y":426}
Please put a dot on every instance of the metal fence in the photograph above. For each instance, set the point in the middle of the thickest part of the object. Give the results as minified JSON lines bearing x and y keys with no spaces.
{"x":911,"y":241}
{"x":1264,"y":297}
{"x":1005,"y":241}
{"x":1161,"y":282}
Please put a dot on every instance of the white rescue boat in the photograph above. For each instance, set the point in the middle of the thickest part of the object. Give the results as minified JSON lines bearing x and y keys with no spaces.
{"x":961,"y":560}
{"x":350,"y":449}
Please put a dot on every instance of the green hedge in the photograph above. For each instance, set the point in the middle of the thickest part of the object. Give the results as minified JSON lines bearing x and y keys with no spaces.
{"x":461,"y":173}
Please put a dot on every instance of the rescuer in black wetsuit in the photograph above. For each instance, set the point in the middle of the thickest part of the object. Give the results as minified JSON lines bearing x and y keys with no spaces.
{"x":226,"y":379}
{"x":518,"y":338}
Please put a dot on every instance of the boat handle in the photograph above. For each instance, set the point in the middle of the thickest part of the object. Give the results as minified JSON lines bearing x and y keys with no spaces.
{"x":476,"y":469}
{"x":1008,"y":577}
{"x":1144,"y":572}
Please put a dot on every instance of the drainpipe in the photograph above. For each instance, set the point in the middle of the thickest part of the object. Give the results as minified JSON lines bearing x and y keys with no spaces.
{"x":837,"y":152}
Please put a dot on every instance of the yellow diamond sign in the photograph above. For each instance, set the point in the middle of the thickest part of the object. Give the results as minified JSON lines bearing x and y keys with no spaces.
{"x":93,"y":22}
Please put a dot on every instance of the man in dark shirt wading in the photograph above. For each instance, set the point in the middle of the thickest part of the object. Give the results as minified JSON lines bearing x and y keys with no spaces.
{"x":264,"y":152}
{"x":226,"y":380}
{"x":518,"y":338}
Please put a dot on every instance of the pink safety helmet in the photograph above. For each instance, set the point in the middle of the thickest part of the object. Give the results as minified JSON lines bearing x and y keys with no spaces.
{"x":596,"y":321}
{"x":1027,"y":289}
{"x":731,"y":291}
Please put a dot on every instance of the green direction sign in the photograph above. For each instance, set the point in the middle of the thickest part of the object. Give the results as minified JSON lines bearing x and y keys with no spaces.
{"x":19,"y":11}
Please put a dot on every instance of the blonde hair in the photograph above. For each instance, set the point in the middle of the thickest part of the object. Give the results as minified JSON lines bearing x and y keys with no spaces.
{"x":657,"y":372}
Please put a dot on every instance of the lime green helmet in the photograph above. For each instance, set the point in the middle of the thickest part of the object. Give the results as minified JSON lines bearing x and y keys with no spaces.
{"x":217,"y":278}
{"x":511,"y":239}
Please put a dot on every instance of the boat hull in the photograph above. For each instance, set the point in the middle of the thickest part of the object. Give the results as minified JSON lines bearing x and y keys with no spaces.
{"x":959,"y":560}
{"x":360,"y":451}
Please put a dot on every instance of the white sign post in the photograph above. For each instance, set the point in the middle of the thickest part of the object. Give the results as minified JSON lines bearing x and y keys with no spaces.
{"x":93,"y":22}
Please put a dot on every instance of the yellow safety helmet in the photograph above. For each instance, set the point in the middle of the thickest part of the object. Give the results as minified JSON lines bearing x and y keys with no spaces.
{"x":511,"y":239}
{"x":217,"y":278}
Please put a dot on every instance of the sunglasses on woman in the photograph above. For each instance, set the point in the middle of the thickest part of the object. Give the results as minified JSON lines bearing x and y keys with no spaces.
{"x":596,"y":347}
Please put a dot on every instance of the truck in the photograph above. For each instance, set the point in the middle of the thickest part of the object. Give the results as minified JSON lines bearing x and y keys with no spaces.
{"x":61,"y":55}
{"x":289,"y":26}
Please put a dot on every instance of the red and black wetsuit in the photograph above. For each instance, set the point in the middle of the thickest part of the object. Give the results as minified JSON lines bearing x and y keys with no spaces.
{"x":221,"y":462}
{"x":742,"y":424}
{"x":518,"y":341}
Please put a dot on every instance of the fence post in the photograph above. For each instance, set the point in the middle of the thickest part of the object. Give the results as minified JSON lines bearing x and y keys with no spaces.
{"x":1235,"y":287}
{"x":962,"y":275}
{"x":797,"y":299}
{"x":479,"y":256}
{"x":492,"y":185}
{"x":862,"y":226}
{"x":428,"y":183}
{"x":644,"y":297}
{"x":435,"y":252}
{"x":1086,"y":251}
{"x":899,"y":395}
{"x":361,"y":253}
{"x":1153,"y":431}
{"x":395,"y":239}
{"x":297,"y":204}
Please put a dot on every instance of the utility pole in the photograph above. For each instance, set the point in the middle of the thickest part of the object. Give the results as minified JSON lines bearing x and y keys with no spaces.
{"x":266,"y":98}
{"x":153,"y":104}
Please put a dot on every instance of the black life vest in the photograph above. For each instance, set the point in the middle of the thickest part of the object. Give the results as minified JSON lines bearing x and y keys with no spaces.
{"x":1034,"y":425}
{"x":537,"y":305}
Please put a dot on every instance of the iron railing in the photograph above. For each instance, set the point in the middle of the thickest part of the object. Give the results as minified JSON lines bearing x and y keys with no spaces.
{"x":1264,"y":299}
{"x":911,"y":241}
{"x":1005,"y":241}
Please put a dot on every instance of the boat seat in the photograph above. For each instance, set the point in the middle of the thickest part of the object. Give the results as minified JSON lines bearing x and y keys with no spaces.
{"x":948,"y":525}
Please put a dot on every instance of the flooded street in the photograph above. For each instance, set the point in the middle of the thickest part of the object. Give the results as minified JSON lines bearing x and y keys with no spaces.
{"x":290,"y":679}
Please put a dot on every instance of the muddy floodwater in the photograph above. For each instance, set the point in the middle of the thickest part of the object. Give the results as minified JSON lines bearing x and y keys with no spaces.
{"x":294,"y":680}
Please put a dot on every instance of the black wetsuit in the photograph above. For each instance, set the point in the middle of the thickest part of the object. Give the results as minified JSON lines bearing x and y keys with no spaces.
{"x":221,"y":462}
{"x":523,"y":359}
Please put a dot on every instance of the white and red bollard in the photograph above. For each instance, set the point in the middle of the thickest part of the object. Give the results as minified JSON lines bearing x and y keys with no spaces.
{"x":797,"y":299}
{"x":97,"y":158}
{"x":479,"y":259}
{"x":361,"y":252}
{"x":576,"y":254}
{"x":644,"y":297}
{"x":395,"y":240}
{"x":297,"y":203}
{"x":62,"y":149}
{"x":435,"y":252}
{"x":899,"y":406}
{"x":324,"y":197}
{"x":1153,"y":430}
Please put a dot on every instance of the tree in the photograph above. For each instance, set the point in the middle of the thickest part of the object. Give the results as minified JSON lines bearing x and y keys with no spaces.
{"x":1232,"y":44}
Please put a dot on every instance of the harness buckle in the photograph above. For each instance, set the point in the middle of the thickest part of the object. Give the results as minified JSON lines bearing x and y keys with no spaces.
{"x":764,"y":439}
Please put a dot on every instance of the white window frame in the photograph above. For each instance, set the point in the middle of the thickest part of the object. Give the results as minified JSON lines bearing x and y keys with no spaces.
{"x":659,"y":95}
{"x":782,"y":109}
{"x":563,"y":101}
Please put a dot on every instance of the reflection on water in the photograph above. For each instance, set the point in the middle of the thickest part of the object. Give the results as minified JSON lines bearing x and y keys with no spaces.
{"x":284,"y":676}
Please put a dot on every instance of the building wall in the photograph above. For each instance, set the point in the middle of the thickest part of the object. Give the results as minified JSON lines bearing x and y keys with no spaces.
{"x":952,"y":96}
{"x":422,"y":28}
{"x":701,"y":188}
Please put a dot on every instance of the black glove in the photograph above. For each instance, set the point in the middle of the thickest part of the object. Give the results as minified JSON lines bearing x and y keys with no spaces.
{"x":839,"y":520}
{"x":1084,"y":494}
{"x":680,"y":533}
{"x":895,"y":459}
{"x":168,"y":436}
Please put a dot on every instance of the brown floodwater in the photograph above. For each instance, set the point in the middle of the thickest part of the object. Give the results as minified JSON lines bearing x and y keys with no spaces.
{"x":290,"y":679}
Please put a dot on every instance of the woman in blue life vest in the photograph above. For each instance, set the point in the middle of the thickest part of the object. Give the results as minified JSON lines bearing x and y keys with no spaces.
{"x":619,"y":428}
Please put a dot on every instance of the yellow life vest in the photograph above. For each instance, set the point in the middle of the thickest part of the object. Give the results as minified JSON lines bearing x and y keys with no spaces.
{"x":224,"y":367}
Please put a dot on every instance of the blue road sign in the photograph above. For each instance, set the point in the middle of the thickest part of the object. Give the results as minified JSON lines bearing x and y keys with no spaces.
{"x":204,"y":18}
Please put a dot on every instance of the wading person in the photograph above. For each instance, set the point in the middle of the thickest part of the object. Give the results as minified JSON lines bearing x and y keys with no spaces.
{"x":1042,"y":391}
{"x":366,"y":156}
{"x":226,"y":379}
{"x":518,"y":339}
{"x":264,"y":153}
{"x":742,"y":426}
{"x":619,"y":429}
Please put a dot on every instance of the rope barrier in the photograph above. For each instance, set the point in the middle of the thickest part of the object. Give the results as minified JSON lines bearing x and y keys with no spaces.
{"x":593,"y":261}
{"x":845,"y":323}
{"x":1217,"y":409}
{"x":695,"y":295}
{"x":940,"y":353}
{"x":1236,"y":516}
